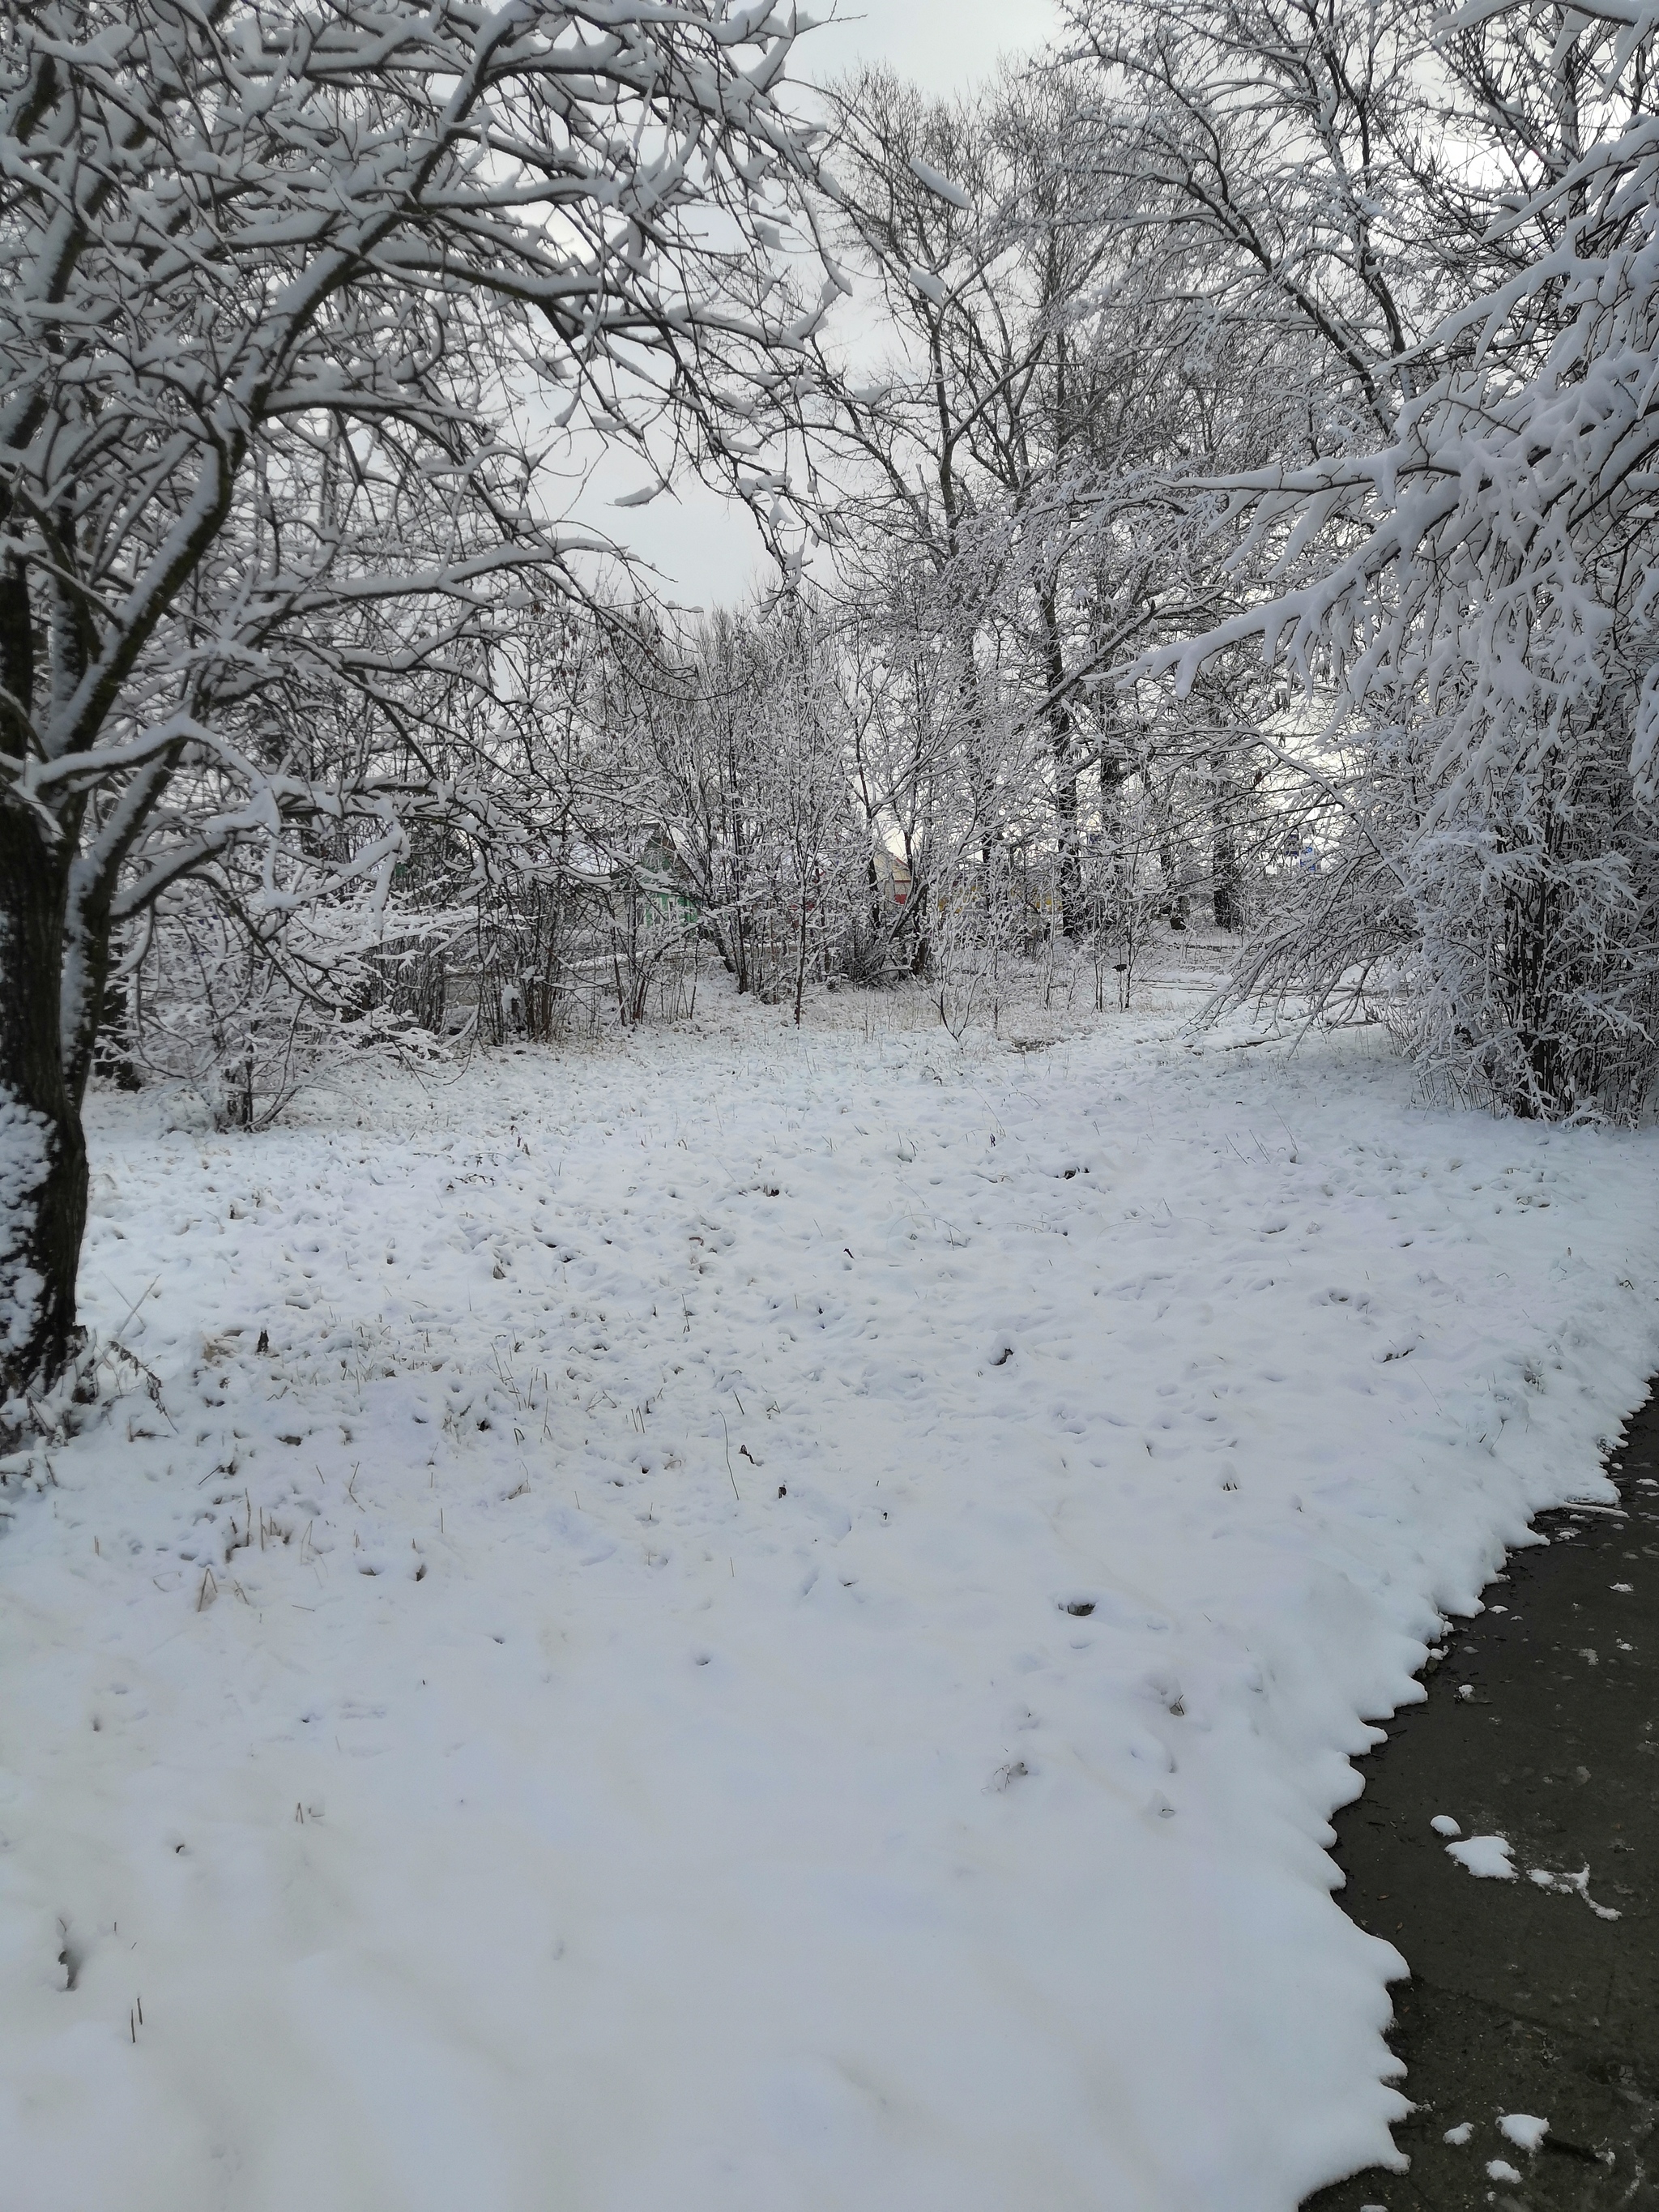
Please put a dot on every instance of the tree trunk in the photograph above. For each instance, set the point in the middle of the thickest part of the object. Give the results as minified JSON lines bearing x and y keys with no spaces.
{"x":1175,"y":880}
{"x":917,"y":905}
{"x":801,"y":961}
{"x":1226,"y":886}
{"x":113,"y":1058}
{"x":1072,"y":919}
{"x":43,"y":1153}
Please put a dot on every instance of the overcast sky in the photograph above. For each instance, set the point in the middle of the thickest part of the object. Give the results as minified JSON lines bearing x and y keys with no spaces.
{"x":707,"y":551}
{"x":944,"y":44}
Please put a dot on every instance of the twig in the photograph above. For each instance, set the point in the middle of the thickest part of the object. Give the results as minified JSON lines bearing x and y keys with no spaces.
{"x":736,"y":1493}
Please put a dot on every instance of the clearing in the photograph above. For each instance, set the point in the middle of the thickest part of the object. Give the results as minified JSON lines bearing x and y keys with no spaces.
{"x":777,"y":1623}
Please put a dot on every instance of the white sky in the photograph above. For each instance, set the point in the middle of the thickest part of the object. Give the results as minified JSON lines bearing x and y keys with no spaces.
{"x":944,"y":45}
{"x":706,"y":550}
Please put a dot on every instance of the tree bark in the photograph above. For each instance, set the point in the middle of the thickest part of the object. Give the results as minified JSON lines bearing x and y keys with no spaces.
{"x":1071,"y":919}
{"x":1226,"y":886}
{"x":801,"y":961}
{"x":1175,"y":880}
{"x":43,"y":1153}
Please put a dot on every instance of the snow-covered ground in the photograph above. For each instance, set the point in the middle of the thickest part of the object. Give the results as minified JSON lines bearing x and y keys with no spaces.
{"x":778,"y":1625}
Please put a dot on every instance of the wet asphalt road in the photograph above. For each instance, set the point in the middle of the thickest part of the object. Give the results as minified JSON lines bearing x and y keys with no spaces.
{"x":1541,"y":1726}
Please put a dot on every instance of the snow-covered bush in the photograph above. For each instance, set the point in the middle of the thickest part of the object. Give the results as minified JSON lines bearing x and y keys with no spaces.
{"x":248,"y":1011}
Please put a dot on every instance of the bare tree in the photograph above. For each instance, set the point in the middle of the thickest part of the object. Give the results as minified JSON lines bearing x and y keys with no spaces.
{"x":1461,"y":566}
{"x":271,"y":271}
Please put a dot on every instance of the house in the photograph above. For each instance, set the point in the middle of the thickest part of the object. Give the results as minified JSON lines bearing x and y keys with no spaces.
{"x":892,"y":877}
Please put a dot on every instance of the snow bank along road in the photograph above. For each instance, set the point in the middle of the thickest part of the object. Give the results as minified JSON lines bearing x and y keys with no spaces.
{"x":777,"y":1627}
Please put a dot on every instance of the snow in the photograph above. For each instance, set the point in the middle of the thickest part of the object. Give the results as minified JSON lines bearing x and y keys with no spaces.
{"x":1524,"y":2129}
{"x":1488,"y":1856}
{"x":1443,"y":1825}
{"x":1573,"y":1884}
{"x":940,"y":186}
{"x":859,"y":1724}
{"x":1460,"y":2135}
{"x":24,"y":1163}
{"x":1499,"y":2169}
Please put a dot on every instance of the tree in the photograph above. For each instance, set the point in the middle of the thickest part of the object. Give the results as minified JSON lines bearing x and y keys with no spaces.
{"x":1055,"y":386}
{"x":1463,"y":568}
{"x":274,"y":272}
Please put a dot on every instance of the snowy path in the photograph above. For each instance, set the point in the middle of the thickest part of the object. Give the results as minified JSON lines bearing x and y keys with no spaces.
{"x":777,"y":1629}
